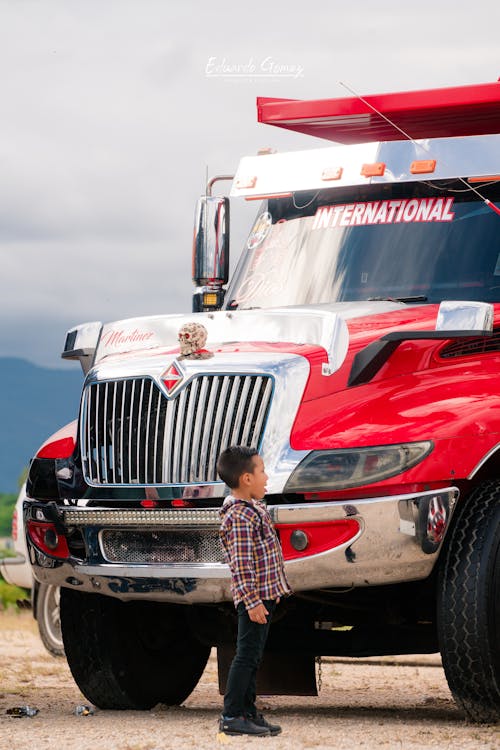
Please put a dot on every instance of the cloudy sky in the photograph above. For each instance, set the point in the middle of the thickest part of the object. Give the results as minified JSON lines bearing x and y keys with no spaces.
{"x":111,"y":113}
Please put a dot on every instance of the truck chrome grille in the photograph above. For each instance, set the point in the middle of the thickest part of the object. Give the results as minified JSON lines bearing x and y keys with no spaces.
{"x":131,"y":434}
{"x":162,"y":547}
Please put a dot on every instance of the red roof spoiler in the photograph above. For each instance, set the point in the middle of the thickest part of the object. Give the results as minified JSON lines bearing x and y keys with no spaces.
{"x":431,"y":113}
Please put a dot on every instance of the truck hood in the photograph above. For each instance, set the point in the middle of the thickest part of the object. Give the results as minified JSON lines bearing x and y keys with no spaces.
{"x":301,"y":357}
{"x":325,"y":326}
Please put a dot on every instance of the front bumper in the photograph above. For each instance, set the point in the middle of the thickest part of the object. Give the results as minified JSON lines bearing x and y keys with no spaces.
{"x":399,"y":540}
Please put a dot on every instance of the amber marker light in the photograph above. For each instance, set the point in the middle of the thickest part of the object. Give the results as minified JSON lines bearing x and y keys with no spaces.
{"x":210,"y":299}
{"x":332,"y":173}
{"x":488,"y":178}
{"x":246,"y":182}
{"x":267,"y":197}
{"x":424,"y":166}
{"x":376,"y":169}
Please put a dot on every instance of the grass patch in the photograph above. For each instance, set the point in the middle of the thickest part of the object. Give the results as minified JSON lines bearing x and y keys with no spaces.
{"x":9,"y":594}
{"x":7,"y":504}
{"x":5,"y":552}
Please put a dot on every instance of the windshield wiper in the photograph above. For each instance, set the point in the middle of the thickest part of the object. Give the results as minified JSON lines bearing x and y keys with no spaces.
{"x":418,"y":298}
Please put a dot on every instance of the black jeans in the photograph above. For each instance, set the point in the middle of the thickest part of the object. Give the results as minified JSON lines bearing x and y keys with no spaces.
{"x":239,"y":699}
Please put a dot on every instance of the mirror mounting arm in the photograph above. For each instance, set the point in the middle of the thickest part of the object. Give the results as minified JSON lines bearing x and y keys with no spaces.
{"x":218,"y":178}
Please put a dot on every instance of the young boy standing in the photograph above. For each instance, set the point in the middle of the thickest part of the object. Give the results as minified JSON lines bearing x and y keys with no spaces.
{"x":258,"y":580}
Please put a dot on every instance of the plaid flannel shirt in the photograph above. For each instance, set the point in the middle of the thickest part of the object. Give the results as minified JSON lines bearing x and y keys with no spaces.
{"x":252,"y":551}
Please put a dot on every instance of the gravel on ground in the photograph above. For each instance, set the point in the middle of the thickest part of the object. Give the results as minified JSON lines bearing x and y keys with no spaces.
{"x":380,"y":703}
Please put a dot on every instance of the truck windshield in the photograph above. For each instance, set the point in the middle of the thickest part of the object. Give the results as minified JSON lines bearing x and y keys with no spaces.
{"x":415,"y":242}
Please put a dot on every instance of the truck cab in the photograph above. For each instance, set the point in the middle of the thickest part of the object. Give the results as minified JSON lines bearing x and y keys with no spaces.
{"x":357,"y":347}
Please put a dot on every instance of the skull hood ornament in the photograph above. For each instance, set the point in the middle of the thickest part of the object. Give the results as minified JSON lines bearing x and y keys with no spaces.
{"x":192,"y":339}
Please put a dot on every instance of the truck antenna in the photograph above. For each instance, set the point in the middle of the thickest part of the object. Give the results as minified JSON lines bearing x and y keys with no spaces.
{"x":489,"y":203}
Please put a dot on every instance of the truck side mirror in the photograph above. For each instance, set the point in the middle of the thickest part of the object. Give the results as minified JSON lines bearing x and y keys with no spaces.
{"x":210,"y":252}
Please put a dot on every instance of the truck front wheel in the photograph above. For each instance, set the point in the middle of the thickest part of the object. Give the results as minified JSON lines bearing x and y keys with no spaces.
{"x":129,"y":655}
{"x":469,"y":606}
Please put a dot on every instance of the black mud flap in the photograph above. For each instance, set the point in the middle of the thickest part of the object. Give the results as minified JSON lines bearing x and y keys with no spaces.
{"x":280,"y":673}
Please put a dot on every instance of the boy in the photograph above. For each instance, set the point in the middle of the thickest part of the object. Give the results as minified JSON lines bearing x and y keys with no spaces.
{"x":258,"y":580}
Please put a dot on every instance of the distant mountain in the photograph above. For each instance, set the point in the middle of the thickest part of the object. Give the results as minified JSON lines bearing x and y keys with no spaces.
{"x":34,"y":403}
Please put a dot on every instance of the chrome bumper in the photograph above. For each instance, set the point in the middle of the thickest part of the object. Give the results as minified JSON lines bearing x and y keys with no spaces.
{"x":399,"y":540}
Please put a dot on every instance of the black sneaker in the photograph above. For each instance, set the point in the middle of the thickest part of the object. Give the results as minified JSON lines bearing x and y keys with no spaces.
{"x":240,"y":725}
{"x":259,"y":721}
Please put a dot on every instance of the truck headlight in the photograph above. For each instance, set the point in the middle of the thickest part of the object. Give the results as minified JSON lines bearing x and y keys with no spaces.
{"x":341,"y":469}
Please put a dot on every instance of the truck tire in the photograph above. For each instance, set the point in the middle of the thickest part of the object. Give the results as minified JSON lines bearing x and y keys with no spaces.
{"x":469,"y":606}
{"x":129,"y":655}
{"x":48,"y":618}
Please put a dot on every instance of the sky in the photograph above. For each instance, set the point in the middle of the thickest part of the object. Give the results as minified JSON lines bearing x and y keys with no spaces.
{"x":112,"y":112}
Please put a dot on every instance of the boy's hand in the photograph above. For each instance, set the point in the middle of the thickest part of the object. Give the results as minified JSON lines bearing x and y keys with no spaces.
{"x":258,"y":614}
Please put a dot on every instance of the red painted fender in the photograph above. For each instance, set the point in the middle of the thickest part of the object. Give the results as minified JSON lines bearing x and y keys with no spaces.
{"x":458,"y":408}
{"x":61,"y":444}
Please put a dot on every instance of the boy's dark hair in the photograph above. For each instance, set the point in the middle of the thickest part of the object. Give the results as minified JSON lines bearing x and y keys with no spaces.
{"x":235,"y":461}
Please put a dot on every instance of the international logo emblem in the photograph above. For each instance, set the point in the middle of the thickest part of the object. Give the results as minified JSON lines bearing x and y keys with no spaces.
{"x":172,"y":377}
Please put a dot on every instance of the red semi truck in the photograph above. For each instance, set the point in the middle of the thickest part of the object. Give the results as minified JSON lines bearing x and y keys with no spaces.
{"x":357,"y":346}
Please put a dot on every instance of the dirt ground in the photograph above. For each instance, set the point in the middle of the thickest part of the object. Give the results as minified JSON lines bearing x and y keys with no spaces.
{"x":380,"y":703}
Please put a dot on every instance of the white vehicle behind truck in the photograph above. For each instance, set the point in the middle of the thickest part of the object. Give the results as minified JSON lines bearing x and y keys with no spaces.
{"x":44,"y":597}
